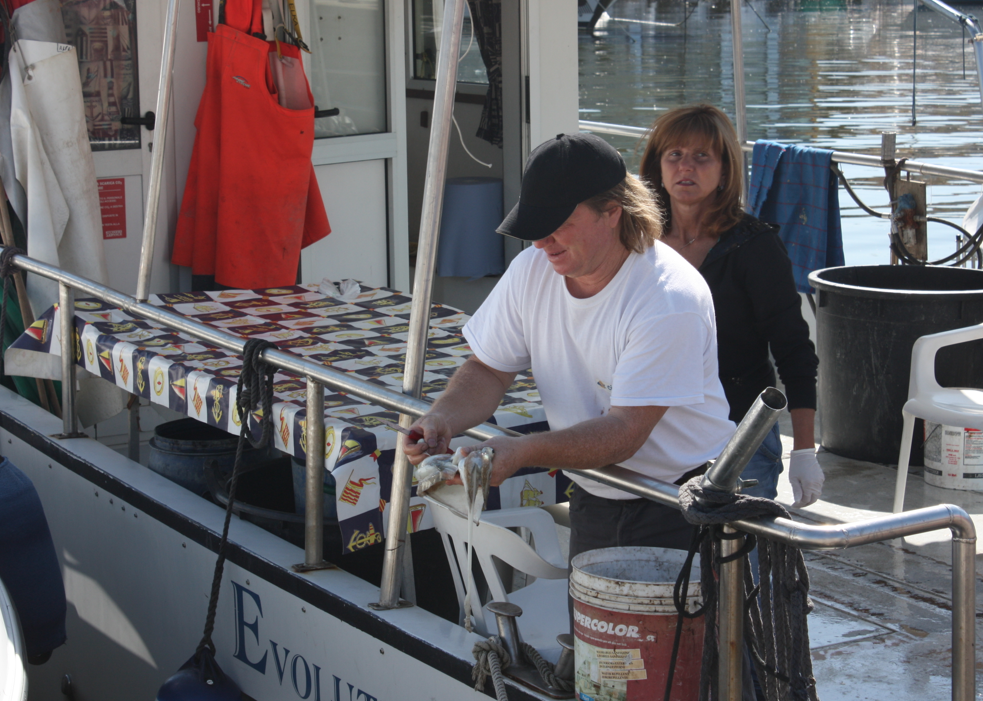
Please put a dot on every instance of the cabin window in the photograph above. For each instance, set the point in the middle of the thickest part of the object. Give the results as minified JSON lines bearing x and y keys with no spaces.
{"x":103,"y":33}
{"x":348,"y":66}
{"x":428,"y":14}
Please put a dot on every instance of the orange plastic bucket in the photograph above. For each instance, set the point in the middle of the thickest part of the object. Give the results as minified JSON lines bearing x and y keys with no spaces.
{"x":624,"y":623}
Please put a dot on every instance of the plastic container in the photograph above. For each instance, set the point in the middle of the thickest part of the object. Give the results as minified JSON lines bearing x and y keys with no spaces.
{"x":953,"y":457}
{"x":867,"y":320}
{"x":179,"y":450}
{"x":624,"y":623}
{"x":300,"y":489}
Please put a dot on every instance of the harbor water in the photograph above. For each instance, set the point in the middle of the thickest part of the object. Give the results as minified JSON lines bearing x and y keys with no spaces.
{"x":834,"y":74}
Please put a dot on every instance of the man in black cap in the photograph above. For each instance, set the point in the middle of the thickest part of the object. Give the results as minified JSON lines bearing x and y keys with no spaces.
{"x":619,"y":332}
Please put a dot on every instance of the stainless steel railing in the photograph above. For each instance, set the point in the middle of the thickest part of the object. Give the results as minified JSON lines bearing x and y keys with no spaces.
{"x":859,"y":159}
{"x":800,"y":535}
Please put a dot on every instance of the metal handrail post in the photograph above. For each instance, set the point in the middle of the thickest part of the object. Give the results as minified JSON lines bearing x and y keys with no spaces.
{"x":730,"y":631}
{"x":426,"y":257}
{"x":157,"y":159}
{"x":963,"y":617}
{"x":725,"y":476}
{"x":314,"y":486}
{"x":66,"y":308}
{"x":740,"y":105}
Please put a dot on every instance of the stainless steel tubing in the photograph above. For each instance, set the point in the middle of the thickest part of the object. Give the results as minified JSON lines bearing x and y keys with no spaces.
{"x":740,"y":106}
{"x":724,"y":476}
{"x":426,"y":261}
{"x":157,"y":160}
{"x":730,"y":633}
{"x":66,"y":309}
{"x":339,"y":381}
{"x":953,"y":14}
{"x":963,"y":618}
{"x":314,"y":485}
{"x":858,"y":159}
{"x":977,"y":42}
{"x":612,"y":129}
{"x":726,"y":471}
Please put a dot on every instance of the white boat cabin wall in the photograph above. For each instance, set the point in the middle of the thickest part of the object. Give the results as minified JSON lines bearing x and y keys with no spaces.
{"x":370,"y":161}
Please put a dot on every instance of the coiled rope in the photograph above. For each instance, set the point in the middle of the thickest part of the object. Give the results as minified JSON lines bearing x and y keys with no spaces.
{"x":492,"y":659}
{"x":776,"y":629}
{"x":255,"y":388}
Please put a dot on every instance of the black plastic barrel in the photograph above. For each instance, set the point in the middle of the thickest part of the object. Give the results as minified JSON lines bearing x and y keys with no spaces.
{"x":867,"y":320}
{"x":179,"y":450}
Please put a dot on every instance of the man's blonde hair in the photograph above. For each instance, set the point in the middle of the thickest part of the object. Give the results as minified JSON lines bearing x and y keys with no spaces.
{"x":641,"y":217}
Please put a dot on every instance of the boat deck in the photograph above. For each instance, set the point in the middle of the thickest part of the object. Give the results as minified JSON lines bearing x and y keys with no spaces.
{"x":881,"y":626}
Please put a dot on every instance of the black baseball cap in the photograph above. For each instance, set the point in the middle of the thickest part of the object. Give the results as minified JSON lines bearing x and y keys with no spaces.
{"x":560,"y":174}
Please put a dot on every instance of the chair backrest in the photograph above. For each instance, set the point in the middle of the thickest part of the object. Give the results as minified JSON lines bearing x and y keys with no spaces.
{"x":921,"y":380}
{"x":492,"y":539}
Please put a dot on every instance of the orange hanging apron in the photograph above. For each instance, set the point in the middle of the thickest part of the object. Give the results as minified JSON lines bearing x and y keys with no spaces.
{"x":251,"y":201}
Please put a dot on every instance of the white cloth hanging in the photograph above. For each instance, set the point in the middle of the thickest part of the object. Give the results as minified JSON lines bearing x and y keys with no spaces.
{"x":53,"y":163}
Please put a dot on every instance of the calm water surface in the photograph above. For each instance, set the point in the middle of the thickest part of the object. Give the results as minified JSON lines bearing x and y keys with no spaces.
{"x":833,"y":74}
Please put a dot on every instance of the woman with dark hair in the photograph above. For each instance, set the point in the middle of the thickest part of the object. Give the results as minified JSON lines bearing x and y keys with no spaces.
{"x":693,"y":164}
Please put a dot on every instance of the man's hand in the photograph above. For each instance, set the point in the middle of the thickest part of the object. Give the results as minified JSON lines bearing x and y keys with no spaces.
{"x":436,"y":439}
{"x":806,"y":476}
{"x":507,"y":460}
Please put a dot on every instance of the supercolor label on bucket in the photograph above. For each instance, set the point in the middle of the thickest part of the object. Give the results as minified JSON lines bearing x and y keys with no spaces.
{"x":623,"y":656}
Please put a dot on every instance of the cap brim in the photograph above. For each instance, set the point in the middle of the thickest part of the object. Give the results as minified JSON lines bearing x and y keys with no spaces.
{"x":531,"y":223}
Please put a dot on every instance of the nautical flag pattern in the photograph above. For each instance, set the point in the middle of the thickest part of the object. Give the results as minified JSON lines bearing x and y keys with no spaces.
{"x":365,"y":336}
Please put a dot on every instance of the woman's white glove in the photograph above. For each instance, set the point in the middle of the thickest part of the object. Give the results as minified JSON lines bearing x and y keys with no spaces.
{"x":806,"y":476}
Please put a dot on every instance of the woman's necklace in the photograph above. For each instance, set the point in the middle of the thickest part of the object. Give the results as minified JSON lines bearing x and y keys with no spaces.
{"x":688,"y":243}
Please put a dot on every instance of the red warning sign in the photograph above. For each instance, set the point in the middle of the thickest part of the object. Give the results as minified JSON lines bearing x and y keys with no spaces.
{"x":112,"y":202}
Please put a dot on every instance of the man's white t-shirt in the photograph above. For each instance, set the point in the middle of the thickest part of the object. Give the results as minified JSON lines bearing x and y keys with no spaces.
{"x":647,"y":339}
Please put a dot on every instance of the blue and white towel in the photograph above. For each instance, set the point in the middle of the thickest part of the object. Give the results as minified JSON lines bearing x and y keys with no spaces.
{"x":793,"y":187}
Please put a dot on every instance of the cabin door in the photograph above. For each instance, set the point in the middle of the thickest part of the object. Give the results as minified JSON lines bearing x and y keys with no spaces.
{"x":118,"y":44}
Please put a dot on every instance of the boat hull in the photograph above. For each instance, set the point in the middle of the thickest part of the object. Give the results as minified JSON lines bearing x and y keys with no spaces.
{"x":138,"y":553}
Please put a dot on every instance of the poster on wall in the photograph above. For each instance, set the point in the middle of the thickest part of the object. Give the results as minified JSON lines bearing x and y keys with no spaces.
{"x":104,"y":35}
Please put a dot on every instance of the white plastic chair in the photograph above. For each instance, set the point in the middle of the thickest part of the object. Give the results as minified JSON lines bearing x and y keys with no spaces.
{"x":543,"y":601}
{"x":951,"y":406}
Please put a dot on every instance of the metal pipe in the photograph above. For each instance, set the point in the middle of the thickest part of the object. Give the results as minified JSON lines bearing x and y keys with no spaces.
{"x":157,"y":159}
{"x":725,"y":476}
{"x":737,"y":44}
{"x":426,"y":260}
{"x":66,"y":308}
{"x":725,"y":473}
{"x":740,"y":106}
{"x":977,"y":42}
{"x":858,"y":159}
{"x":953,"y":14}
{"x":730,"y":633}
{"x":314,"y":487}
{"x":335,"y":379}
{"x":963,"y":618}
